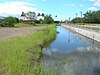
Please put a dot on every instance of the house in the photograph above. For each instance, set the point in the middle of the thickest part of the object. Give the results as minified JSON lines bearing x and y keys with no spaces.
{"x":24,"y":18}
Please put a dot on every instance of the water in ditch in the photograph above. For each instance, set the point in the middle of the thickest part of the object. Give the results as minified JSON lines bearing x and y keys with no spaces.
{"x":71,"y":54}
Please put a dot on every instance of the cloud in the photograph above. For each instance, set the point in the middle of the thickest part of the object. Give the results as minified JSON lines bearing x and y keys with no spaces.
{"x":69,"y":5}
{"x":81,"y":5}
{"x":92,"y":8}
{"x":15,"y":8}
{"x":96,"y":2}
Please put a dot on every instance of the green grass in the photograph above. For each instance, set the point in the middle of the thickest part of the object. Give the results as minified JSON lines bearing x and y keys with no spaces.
{"x":31,"y":25}
{"x":23,"y":25}
{"x":41,"y":24}
{"x":20,"y":55}
{"x":47,"y":24}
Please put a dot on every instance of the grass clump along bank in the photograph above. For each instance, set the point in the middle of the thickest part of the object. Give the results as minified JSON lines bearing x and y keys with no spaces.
{"x":20,"y":55}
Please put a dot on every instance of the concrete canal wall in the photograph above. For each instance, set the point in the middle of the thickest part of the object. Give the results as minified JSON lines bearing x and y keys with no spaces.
{"x":90,"y":34}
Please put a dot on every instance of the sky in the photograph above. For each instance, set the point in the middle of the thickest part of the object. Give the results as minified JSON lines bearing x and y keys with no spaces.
{"x":62,"y":8}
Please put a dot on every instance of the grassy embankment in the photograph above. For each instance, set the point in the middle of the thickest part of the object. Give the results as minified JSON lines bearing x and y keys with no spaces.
{"x":31,"y":25}
{"x":56,"y":24}
{"x":20,"y":55}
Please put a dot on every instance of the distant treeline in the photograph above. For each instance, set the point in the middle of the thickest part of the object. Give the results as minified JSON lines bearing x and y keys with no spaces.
{"x":89,"y":17}
{"x":10,"y":21}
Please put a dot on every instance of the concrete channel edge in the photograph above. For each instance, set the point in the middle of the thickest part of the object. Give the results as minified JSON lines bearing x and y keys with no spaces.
{"x":90,"y":34}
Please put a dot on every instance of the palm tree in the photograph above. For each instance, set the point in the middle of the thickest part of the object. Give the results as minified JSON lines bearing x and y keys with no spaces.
{"x":56,"y":16}
{"x":42,"y":15}
{"x":23,"y":14}
{"x":38,"y":14}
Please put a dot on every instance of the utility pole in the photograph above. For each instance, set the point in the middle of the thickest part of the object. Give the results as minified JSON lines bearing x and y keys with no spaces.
{"x":76,"y":15}
{"x":81,"y":14}
{"x":69,"y":19}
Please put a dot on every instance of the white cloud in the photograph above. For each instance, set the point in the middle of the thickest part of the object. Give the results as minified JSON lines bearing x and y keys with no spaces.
{"x":96,"y":2}
{"x":15,"y":8}
{"x":81,"y":5}
{"x":69,"y":5}
{"x":92,"y":8}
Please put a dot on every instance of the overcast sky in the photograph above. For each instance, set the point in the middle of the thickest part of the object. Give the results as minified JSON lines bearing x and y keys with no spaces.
{"x":62,"y":8}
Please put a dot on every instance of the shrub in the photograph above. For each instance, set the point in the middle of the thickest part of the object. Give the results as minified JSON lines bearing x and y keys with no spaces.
{"x":8,"y":21}
{"x":37,"y":21}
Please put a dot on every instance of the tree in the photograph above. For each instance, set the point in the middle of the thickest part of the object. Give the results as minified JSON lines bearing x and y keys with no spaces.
{"x":23,"y":14}
{"x":1,"y":23}
{"x":92,"y":17}
{"x":77,"y":20}
{"x":89,"y":17}
{"x":9,"y":21}
{"x":38,"y":14}
{"x":48,"y":19}
{"x":31,"y":15}
{"x":42,"y":15}
{"x":56,"y":16}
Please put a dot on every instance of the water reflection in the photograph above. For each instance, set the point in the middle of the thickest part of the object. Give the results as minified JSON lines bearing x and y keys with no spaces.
{"x":72,"y":54}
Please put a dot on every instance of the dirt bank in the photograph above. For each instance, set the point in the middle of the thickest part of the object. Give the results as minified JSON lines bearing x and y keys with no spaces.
{"x":7,"y":33}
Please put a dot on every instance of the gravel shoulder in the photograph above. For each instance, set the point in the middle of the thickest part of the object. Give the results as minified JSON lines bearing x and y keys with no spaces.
{"x":7,"y":33}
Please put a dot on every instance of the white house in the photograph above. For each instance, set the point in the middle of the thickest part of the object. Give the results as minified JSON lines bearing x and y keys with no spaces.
{"x":24,"y":17}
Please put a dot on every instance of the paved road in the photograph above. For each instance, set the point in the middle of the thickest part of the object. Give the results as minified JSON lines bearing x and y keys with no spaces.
{"x":7,"y":33}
